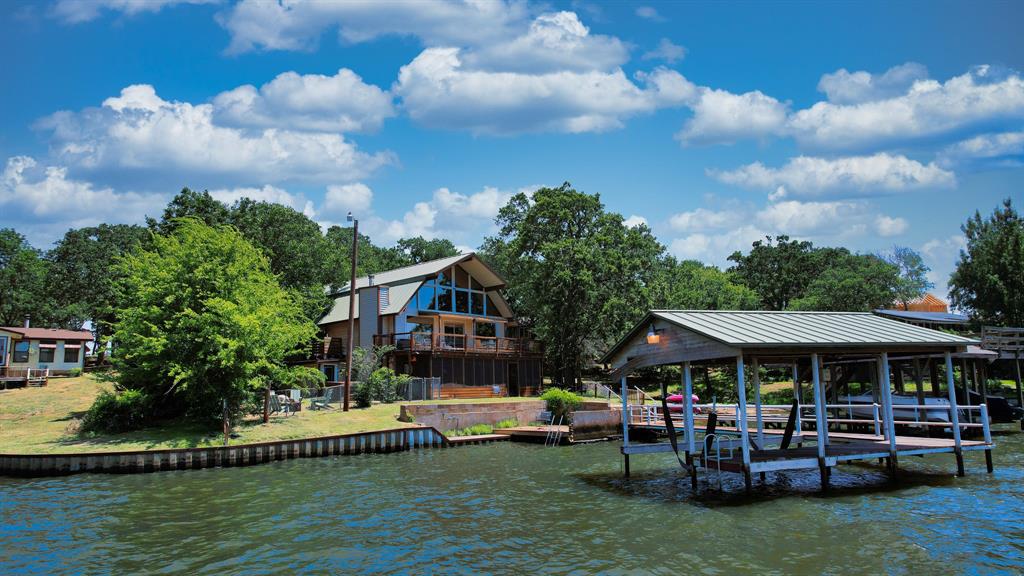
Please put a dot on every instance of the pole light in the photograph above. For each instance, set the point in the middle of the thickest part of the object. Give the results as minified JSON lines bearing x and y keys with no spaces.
{"x":351,"y":312}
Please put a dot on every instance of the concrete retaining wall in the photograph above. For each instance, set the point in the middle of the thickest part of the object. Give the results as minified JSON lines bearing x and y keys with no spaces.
{"x":395,"y":440}
{"x":591,"y":424}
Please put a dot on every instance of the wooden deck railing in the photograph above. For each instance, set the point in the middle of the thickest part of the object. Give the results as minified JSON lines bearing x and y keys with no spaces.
{"x":423,"y":342}
{"x":1003,"y":339}
{"x":322,"y":349}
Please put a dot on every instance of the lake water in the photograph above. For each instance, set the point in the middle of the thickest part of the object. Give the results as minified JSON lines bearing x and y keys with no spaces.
{"x":516,"y":509}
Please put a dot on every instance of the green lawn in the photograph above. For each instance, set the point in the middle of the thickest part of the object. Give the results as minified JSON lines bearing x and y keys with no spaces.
{"x":44,"y":421}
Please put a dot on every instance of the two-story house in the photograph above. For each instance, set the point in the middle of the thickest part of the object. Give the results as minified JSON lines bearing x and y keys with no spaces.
{"x":445,"y":318}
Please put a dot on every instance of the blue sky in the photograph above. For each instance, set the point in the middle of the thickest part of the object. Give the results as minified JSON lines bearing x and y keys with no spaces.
{"x":864,"y":125}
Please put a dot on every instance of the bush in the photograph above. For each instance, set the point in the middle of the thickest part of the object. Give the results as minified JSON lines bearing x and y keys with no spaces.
{"x":75,"y":372}
{"x":474,"y":430}
{"x":362,"y":394}
{"x":383,"y":385}
{"x":117,"y":412}
{"x":561,"y":403}
{"x":507,"y":423}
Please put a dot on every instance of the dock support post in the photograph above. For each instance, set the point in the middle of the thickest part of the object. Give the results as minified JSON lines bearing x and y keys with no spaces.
{"x":933,"y":376}
{"x":919,"y":383}
{"x":967,"y":388}
{"x":1020,"y":390}
{"x":821,"y":420}
{"x":797,"y":393}
{"x":741,"y":417}
{"x":890,"y":424}
{"x":758,"y":415}
{"x":954,"y":416}
{"x":625,"y":423}
{"x":691,"y":432}
{"x":987,"y":436}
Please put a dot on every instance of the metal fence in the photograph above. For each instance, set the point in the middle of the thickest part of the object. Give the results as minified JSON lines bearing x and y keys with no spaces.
{"x":421,"y":389}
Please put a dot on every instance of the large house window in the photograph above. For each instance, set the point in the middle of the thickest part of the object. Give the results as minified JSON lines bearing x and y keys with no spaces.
{"x":20,"y":352}
{"x":71,"y":353}
{"x":47,"y":350}
{"x":3,"y":350}
{"x":456,"y":291}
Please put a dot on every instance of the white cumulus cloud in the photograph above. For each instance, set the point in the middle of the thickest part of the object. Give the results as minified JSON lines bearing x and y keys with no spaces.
{"x":721,"y":117}
{"x":666,"y":51}
{"x":438,"y":92}
{"x":31,"y":194}
{"x":1006,"y":148}
{"x":927,"y":109}
{"x":845,"y":87}
{"x":76,"y":11}
{"x":338,"y":103}
{"x":261,"y":25}
{"x":266,"y":193}
{"x":140,"y":132}
{"x":806,"y":176}
{"x":339,"y":200}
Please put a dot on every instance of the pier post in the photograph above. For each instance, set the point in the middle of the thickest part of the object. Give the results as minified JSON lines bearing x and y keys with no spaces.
{"x":987,"y":436}
{"x":797,"y":393}
{"x":625,"y":424}
{"x":758,"y":415}
{"x":919,"y":383}
{"x":741,"y":420}
{"x":691,"y":432}
{"x":890,"y":424}
{"x":954,"y":416}
{"x":821,"y":420}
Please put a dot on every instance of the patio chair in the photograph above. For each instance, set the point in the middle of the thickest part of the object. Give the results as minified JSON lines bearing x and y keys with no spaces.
{"x":281,"y":404}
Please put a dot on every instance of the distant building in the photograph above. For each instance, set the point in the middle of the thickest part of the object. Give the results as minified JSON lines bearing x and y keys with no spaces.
{"x":446,"y":318}
{"x":928,"y":311}
{"x":39,"y":348}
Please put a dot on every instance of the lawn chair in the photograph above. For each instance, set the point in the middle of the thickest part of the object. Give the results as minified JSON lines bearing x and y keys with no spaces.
{"x":284,"y":406}
{"x":322,"y":402}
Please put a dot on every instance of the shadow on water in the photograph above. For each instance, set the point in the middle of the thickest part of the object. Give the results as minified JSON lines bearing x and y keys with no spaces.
{"x":665,"y":486}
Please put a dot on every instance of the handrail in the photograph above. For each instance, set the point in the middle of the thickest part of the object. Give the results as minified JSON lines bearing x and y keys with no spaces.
{"x":426,"y":341}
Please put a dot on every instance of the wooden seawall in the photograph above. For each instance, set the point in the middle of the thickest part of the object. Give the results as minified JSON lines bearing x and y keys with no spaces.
{"x":381,"y":441}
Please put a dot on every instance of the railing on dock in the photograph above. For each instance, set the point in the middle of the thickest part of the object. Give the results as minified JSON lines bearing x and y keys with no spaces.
{"x":651,"y":415}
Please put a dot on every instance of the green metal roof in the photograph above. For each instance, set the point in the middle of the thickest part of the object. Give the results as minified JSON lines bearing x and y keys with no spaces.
{"x":783,"y":329}
{"x":398,"y":297}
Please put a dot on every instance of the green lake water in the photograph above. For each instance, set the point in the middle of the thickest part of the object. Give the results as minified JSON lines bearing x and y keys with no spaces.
{"x":516,"y":509}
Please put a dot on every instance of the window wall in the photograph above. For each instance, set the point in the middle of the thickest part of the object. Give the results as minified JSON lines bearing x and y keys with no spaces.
{"x":456,"y":292}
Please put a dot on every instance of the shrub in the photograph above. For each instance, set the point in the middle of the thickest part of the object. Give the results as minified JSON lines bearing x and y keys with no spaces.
{"x":474,"y":430}
{"x":362,"y":393}
{"x":117,"y":412}
{"x":507,"y":423}
{"x":561,"y":403}
{"x":75,"y":372}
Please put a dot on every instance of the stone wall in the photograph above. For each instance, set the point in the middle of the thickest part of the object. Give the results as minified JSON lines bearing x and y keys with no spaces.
{"x":592,"y":424}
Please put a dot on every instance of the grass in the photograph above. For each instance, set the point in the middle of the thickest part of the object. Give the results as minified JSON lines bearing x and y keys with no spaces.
{"x":45,"y":421}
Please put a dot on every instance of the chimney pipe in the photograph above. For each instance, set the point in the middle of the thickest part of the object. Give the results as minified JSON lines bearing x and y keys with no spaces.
{"x":28,"y":320}
{"x":370,"y":278}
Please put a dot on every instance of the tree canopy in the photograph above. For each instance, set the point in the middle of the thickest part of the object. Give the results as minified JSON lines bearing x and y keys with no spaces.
{"x":202,"y":319}
{"x":23,"y":287}
{"x":81,"y":265}
{"x":577,"y":275}
{"x":988,"y":280}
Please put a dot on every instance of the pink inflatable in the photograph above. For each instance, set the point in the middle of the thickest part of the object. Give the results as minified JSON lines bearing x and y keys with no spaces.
{"x":677,"y":399}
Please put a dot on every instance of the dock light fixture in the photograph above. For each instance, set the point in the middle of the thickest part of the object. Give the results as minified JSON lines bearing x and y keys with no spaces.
{"x":652,"y":335}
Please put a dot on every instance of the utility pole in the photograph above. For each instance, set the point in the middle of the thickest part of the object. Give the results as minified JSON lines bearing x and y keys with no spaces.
{"x":351,"y":312}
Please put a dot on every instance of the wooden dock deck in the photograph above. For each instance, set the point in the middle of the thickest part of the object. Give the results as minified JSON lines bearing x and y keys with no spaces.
{"x":536,"y":433}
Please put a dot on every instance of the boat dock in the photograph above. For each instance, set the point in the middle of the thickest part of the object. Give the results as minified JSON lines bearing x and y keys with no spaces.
{"x":820,"y":343}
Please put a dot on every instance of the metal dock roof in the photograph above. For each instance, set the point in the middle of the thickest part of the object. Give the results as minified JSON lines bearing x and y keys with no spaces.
{"x":771,"y":329}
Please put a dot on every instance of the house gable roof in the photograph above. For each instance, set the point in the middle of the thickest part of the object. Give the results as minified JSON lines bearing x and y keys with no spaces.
{"x":470,"y":261}
{"x":49,"y":333}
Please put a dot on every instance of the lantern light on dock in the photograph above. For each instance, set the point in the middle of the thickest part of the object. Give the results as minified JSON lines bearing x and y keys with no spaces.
{"x":652,"y":335}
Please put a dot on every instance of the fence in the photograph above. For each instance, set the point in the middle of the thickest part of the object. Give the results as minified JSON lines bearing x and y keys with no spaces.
{"x":421,"y":389}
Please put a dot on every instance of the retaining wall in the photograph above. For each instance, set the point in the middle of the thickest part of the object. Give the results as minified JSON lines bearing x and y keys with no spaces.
{"x":592,"y":424}
{"x":394,"y":440}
